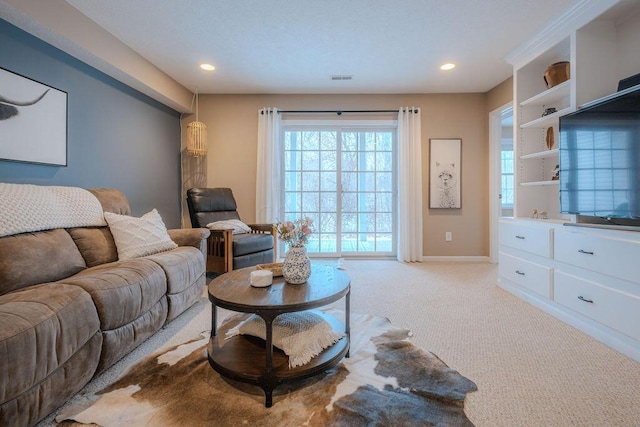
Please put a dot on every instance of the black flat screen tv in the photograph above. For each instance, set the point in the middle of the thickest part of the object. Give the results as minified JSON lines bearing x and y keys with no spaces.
{"x":600,"y":161}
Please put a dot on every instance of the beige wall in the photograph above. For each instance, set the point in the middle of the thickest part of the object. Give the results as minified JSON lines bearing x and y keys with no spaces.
{"x":500,"y":95}
{"x":233,"y":126}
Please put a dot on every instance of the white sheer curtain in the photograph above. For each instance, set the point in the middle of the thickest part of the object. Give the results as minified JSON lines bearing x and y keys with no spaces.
{"x":268,"y":177}
{"x":409,"y":185}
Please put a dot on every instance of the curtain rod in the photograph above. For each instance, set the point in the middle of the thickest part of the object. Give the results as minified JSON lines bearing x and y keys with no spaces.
{"x":339,"y":112}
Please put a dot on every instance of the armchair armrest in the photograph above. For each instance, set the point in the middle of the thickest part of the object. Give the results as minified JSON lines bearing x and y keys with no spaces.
{"x":196,"y":237}
{"x":220,"y":250}
{"x":219,"y":246}
{"x":268,"y":228}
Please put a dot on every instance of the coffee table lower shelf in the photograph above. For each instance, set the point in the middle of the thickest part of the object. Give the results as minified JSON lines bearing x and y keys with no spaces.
{"x":243,"y":358}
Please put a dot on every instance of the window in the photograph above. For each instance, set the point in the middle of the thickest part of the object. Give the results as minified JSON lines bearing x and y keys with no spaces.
{"x":343,"y":178}
{"x":506,"y":161}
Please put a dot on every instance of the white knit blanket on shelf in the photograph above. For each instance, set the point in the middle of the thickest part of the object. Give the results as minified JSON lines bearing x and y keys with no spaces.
{"x":26,"y":208}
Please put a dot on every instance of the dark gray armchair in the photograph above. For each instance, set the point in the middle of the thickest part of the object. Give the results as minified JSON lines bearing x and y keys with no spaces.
{"x":227,"y":251}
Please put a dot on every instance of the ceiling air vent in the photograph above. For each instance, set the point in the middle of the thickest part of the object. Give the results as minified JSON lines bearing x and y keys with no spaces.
{"x":341,"y":77}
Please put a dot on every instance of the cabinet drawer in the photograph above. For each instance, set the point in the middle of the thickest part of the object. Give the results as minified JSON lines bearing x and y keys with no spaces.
{"x":535,"y":277}
{"x":536,"y":240}
{"x":608,"y":306}
{"x":611,"y":256}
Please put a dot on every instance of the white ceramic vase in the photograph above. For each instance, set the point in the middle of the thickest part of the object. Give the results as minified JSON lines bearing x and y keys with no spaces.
{"x":297,"y":266}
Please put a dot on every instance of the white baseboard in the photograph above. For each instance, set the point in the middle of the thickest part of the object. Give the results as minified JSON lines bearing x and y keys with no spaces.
{"x":456,"y":258}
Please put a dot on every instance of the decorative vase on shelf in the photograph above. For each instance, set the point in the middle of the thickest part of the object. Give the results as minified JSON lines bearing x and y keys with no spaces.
{"x":297,"y":265}
{"x":550,"y":138}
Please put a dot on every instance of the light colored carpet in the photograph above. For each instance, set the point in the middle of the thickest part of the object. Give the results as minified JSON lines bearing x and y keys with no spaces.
{"x":531,"y":369}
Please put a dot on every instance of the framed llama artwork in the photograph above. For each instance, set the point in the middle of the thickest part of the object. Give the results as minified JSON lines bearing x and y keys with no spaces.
{"x":33,"y":121}
{"x":445,"y":173}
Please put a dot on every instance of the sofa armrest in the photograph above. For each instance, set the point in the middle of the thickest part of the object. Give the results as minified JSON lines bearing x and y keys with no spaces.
{"x":196,"y":237}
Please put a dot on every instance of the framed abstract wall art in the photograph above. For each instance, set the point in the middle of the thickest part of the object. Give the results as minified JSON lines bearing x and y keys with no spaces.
{"x":33,"y":121}
{"x":445,"y":173}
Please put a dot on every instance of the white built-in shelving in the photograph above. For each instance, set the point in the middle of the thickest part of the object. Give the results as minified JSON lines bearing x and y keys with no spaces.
{"x":541,"y":154}
{"x":541,"y":261}
{"x":549,"y":96}
{"x":546,"y":121}
{"x":539,"y":183}
{"x":593,"y":48}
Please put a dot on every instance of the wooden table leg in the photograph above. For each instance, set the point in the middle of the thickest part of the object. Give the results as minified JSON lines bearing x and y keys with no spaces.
{"x":268,"y":397}
{"x":269,"y":383}
{"x":214,"y":320}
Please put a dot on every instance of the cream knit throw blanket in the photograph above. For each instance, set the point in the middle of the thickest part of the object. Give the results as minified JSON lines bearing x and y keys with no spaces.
{"x":25,"y":208}
{"x":301,"y":335}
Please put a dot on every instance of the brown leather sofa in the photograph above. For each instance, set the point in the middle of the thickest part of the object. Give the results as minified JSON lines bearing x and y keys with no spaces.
{"x":69,"y":308}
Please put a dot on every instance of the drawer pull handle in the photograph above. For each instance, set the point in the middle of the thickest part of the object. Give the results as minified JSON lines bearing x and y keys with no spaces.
{"x":581,"y":298}
{"x":519,"y":272}
{"x":582,"y":251}
{"x":520,"y":237}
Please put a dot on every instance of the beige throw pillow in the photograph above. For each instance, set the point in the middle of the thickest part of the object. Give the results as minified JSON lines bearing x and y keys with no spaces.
{"x":301,"y":335}
{"x":236,"y":225}
{"x":137,"y":237}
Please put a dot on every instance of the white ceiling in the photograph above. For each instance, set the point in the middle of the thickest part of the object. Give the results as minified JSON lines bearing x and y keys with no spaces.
{"x":294,"y":46}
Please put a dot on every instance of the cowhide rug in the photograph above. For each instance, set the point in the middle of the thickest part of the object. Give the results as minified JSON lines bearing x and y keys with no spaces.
{"x":387,"y":381}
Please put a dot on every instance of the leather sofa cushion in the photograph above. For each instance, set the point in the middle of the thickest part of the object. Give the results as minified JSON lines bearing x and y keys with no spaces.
{"x":31,"y":258}
{"x":43,"y":398}
{"x":120,"y":341}
{"x":96,"y":245}
{"x":178,"y":303}
{"x":112,"y":200}
{"x":183,"y":266}
{"x":122,"y":291}
{"x":42,"y":327}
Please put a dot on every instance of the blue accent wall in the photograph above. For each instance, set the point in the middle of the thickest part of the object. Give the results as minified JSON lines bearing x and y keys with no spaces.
{"x":117,"y":136}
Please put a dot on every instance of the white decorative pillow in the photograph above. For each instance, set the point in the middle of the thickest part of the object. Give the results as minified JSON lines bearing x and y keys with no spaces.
{"x":136,"y":237}
{"x":236,"y":225}
{"x":301,"y":335}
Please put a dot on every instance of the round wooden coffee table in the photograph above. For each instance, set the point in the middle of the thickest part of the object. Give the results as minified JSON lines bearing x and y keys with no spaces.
{"x":254,"y":361}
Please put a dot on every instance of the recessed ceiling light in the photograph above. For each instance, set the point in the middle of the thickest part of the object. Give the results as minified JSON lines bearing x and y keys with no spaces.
{"x":448,"y":66}
{"x":207,"y":67}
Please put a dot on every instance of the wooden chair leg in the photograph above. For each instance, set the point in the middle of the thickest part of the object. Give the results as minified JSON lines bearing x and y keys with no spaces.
{"x":220,"y":252}
{"x":228,"y":250}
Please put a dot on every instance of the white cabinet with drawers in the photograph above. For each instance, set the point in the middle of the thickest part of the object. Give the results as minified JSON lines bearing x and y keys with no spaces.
{"x":527,"y":274}
{"x":526,"y":252}
{"x":614,"y":254}
{"x":597,"y":280}
{"x":606,"y":305}
{"x":588,"y":278}
{"x":529,"y":237}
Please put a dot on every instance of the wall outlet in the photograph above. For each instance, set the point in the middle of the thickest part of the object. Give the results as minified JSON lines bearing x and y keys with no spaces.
{"x":447,"y":236}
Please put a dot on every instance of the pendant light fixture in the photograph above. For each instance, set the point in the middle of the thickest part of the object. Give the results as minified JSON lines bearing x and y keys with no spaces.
{"x":197,"y":136}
